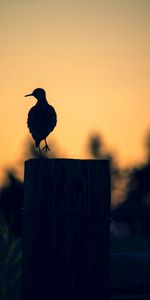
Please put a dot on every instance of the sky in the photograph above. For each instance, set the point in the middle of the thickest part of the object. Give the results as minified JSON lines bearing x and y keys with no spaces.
{"x":92,"y":58}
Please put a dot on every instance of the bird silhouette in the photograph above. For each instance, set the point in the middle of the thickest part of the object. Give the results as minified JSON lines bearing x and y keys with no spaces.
{"x":42,"y":118}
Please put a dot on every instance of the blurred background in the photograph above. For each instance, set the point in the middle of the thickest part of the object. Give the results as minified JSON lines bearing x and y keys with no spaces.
{"x":92,"y":58}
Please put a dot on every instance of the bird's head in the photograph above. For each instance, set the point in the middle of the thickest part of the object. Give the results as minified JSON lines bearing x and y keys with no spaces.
{"x":38,"y":94}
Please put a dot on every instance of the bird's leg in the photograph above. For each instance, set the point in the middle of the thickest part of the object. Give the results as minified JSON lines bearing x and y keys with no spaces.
{"x":46,"y":146}
{"x":40,"y":151}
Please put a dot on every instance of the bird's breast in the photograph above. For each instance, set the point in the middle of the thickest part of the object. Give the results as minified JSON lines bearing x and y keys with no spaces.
{"x":41,"y":121}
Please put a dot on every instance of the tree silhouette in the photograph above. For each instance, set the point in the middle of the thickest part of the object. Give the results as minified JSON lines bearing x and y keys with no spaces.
{"x":147,"y":146}
{"x":11,"y":203}
{"x":135,"y":211}
{"x":97,"y":149}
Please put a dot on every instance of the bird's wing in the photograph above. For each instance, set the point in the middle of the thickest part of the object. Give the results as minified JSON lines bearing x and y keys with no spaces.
{"x":34,"y":123}
{"x":51,"y":117}
{"x":41,"y":121}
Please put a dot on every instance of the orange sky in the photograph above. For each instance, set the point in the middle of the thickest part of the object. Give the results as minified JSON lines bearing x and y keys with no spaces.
{"x":92,"y":58}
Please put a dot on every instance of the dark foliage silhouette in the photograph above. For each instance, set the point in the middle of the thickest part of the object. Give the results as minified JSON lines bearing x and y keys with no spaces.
{"x":98,"y":150}
{"x":147,"y":146}
{"x":11,"y":203}
{"x":135,"y":210}
{"x":42,"y":118}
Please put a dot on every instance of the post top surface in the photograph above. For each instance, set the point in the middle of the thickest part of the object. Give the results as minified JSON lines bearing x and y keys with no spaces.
{"x":65,"y":159}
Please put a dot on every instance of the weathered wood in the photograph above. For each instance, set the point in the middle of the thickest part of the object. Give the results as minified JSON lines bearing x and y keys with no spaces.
{"x":66,"y":230}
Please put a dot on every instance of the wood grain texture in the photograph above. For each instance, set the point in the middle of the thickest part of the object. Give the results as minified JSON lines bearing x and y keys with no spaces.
{"x":66,"y":229}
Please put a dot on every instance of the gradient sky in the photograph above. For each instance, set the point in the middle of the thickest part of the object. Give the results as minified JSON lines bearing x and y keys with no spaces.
{"x":92,"y":58}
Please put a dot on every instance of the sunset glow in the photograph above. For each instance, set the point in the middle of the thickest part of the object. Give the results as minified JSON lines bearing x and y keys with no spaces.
{"x":92,"y":58}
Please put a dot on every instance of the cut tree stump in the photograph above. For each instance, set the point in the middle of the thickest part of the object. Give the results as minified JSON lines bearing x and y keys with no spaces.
{"x":66,"y":230}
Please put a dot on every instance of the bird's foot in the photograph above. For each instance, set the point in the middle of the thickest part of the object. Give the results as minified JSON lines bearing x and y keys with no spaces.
{"x":46,"y":148}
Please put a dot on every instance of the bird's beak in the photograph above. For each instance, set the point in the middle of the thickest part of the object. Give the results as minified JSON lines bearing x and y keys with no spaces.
{"x":28,"y":95}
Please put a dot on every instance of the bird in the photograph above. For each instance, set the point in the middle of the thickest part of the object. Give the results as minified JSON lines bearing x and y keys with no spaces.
{"x":42,"y":118}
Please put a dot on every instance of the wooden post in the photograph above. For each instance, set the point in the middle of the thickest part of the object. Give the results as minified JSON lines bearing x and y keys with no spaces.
{"x":66,"y":230}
